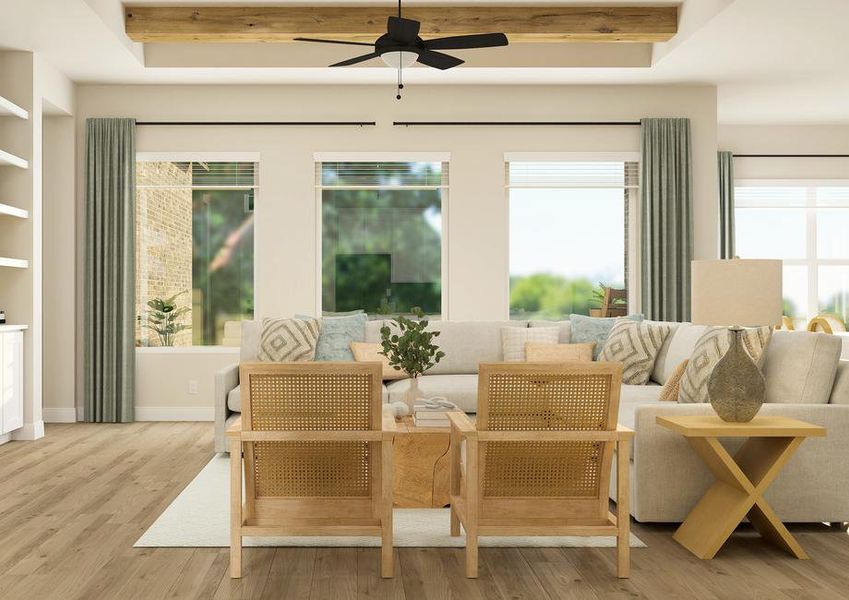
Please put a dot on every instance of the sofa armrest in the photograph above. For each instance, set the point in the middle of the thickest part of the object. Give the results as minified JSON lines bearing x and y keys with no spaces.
{"x":670,"y":478}
{"x":225,"y":380}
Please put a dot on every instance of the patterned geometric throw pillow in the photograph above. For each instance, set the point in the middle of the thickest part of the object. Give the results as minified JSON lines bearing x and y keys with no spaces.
{"x":710,"y":348}
{"x":288,"y":340}
{"x":635,"y":344}
{"x":595,"y":329}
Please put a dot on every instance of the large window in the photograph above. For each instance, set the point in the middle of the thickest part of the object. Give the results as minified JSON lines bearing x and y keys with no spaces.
{"x":569,"y":235}
{"x":381,"y":235}
{"x":194,"y":250}
{"x":805,"y":224}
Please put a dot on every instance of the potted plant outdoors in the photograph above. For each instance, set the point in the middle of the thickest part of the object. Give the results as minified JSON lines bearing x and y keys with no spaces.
{"x":617,"y":308}
{"x":412,"y":350}
{"x":163,"y":316}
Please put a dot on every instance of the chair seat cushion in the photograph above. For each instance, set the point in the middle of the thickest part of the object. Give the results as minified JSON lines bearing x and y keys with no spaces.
{"x":462,"y":390}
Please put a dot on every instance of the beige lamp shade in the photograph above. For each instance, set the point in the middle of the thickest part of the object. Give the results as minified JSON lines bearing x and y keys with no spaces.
{"x":737,"y":292}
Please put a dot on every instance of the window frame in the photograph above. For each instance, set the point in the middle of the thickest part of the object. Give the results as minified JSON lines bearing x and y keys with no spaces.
{"x":166,"y":156}
{"x":402,"y":157}
{"x":810,"y":262}
{"x":634,"y":212}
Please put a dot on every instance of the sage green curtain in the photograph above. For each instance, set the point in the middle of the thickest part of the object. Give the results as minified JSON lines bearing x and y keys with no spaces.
{"x":110,"y":198}
{"x":667,"y":218}
{"x":725,"y":162}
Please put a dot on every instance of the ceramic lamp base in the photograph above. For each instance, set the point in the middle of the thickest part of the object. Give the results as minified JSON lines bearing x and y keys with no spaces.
{"x":736,"y":387}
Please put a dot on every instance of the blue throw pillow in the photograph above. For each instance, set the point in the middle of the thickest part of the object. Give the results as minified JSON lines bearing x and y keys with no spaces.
{"x":593,"y":329}
{"x":336,"y":335}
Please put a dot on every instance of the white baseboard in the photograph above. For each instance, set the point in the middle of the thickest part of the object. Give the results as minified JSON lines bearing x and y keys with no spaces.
{"x":29,"y":432}
{"x":59,"y":415}
{"x":175,"y":413}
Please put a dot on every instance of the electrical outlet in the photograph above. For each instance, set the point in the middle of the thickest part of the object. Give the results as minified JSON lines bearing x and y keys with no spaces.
{"x":193,"y":386}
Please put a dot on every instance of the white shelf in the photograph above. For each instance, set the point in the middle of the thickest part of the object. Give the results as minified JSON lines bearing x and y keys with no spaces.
{"x":10,"y":327}
{"x":15,"y":263}
{"x":11,"y":159}
{"x":10,"y":109}
{"x":13,"y":211}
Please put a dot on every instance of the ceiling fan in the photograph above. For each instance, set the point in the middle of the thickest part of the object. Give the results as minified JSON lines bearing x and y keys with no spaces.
{"x":400,"y":47}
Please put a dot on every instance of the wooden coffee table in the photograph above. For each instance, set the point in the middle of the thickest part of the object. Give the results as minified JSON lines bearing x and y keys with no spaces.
{"x":740,"y":481}
{"x":420,"y":456}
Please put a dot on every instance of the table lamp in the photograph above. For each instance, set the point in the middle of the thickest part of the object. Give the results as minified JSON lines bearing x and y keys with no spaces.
{"x":736,"y":293}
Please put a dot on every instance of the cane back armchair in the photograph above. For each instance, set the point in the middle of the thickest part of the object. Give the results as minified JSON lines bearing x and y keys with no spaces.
{"x":317,"y":455}
{"x":538,"y":458}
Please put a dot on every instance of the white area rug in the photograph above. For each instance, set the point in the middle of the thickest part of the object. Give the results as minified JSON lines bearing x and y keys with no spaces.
{"x":200,"y":517}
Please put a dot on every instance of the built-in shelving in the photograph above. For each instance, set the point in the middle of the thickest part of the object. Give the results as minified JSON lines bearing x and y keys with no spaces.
{"x":12,"y":327}
{"x":13,"y":211}
{"x":10,"y":109}
{"x":14,"y":263}
{"x":11,"y":159}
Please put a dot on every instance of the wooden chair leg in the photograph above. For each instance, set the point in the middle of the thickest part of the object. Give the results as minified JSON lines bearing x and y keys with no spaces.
{"x":235,"y":508}
{"x":623,"y":509}
{"x":454,"y":452}
{"x":471,"y":554}
{"x":386,"y":544}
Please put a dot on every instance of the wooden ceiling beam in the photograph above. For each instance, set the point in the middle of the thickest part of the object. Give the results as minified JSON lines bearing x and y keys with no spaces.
{"x":360,"y":23}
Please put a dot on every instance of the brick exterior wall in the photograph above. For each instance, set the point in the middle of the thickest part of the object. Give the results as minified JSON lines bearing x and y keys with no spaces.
{"x":163,"y":244}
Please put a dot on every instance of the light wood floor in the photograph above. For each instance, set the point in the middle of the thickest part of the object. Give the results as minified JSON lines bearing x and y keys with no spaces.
{"x":73,"y":504}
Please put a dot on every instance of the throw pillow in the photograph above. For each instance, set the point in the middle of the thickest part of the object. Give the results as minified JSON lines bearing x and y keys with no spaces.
{"x":669,"y":391}
{"x":289,"y":340}
{"x":364,"y":352}
{"x":710,"y":348}
{"x":559,"y":352}
{"x":595,"y":329}
{"x":513,"y":340}
{"x":635,"y":344}
{"x":336,"y":335}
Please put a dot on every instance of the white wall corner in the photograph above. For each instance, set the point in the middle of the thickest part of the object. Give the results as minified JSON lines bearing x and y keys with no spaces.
{"x":29,"y":432}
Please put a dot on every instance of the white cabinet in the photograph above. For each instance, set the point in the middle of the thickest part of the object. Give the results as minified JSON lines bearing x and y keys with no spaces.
{"x":11,"y":381}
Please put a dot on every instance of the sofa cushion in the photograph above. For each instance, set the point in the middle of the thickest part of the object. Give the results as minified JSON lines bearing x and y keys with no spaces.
{"x":234,"y":399}
{"x":364,"y":352}
{"x":250,"y":340}
{"x":565,"y":329}
{"x":462,"y":390}
{"x":288,"y":340}
{"x":468,"y":343}
{"x":677,"y":348}
{"x":595,"y":329}
{"x":372,"y":335}
{"x":800,"y":367}
{"x":840,"y":389}
{"x":513,"y":340}
{"x":336,"y":335}
{"x":633,"y":396}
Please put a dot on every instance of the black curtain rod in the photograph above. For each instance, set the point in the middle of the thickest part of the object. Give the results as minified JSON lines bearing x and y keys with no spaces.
{"x":515,"y":123}
{"x":791,"y":155}
{"x":259,"y":123}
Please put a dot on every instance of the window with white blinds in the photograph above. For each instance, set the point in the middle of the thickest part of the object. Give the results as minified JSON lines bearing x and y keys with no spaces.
{"x":381,"y":236}
{"x":570,"y":233}
{"x":803,"y":223}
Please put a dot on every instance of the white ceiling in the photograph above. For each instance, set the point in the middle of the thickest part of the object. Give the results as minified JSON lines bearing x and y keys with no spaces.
{"x":772,"y":60}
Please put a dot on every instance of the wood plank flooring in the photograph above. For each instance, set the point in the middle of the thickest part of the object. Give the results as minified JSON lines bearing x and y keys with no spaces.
{"x":73,"y":504}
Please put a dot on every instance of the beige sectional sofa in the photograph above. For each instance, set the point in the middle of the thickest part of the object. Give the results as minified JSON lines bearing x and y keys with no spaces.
{"x":805,"y":380}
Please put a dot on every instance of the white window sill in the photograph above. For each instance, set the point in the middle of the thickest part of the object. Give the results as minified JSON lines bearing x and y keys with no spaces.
{"x":234,"y":350}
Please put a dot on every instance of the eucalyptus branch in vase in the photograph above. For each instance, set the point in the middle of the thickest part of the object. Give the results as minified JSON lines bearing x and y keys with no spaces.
{"x":412,"y":350}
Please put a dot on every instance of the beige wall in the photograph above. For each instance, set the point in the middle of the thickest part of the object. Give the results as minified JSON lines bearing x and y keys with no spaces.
{"x":787,"y":139}
{"x":477,"y":212}
{"x":59,"y":276}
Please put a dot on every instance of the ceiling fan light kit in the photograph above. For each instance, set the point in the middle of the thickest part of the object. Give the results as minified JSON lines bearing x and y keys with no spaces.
{"x":401,"y":47}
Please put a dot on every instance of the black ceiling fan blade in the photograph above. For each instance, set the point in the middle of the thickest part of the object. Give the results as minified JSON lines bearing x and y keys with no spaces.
{"x":404,"y":31}
{"x":355,"y":60}
{"x":347,"y":43}
{"x":465,"y":42}
{"x":438,"y":60}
